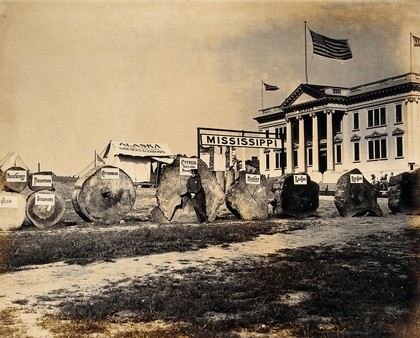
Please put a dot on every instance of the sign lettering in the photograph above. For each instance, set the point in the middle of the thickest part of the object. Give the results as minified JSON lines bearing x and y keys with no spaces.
{"x":186,"y":165}
{"x":8,"y":202}
{"x":356,"y":178}
{"x":45,"y":199}
{"x":110,"y":173}
{"x":14,"y":176}
{"x":239,"y":141}
{"x":253,"y":179}
{"x":42,"y":181}
{"x":300,"y":179}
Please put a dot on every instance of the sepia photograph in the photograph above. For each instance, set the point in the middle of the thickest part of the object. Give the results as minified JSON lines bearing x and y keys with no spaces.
{"x":209,"y":168}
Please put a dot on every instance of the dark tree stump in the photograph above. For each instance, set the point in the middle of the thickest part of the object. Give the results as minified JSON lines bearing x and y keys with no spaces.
{"x":12,"y":210}
{"x":174,"y":205}
{"x":42,"y":180}
{"x":45,"y":208}
{"x":14,"y":179}
{"x":249,"y":201}
{"x":355,"y":196}
{"x":295,"y":195}
{"x":104,"y":195}
{"x":405,"y":192}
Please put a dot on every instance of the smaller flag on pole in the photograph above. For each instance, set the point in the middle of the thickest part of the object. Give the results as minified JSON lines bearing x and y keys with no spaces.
{"x":416,"y":41}
{"x":331,"y":48}
{"x":270,"y":87}
{"x":99,"y":159}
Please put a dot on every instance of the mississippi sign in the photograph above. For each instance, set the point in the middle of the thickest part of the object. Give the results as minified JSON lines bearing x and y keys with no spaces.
{"x":239,"y":141}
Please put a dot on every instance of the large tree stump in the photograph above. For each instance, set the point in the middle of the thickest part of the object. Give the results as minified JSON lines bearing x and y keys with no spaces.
{"x":42,"y":180}
{"x":355,"y":196}
{"x":12,"y":210}
{"x":295,"y":195}
{"x":248,"y":197}
{"x":174,"y":205}
{"x":14,"y":179}
{"x":104,"y":195}
{"x":404,"y":193}
{"x":45,"y":208}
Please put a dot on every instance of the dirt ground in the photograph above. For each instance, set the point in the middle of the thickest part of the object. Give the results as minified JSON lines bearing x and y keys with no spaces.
{"x":32,"y":297}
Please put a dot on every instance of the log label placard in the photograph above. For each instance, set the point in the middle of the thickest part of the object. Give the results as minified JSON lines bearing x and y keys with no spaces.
{"x":45,"y":199}
{"x":356,"y":178}
{"x":8,"y":202}
{"x":110,"y":173}
{"x":14,"y":176}
{"x":42,"y":181}
{"x":253,"y":179}
{"x":300,"y":179}
{"x":186,"y":165}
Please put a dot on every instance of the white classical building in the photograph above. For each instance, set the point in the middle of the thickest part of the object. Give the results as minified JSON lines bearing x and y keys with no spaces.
{"x":329,"y":130}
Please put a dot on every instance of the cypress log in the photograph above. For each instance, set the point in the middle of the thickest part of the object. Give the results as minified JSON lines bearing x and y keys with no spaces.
{"x":42,"y":180}
{"x":355,"y":196}
{"x":45,"y":208}
{"x":249,"y":199}
{"x":14,"y":179}
{"x":405,"y":193}
{"x":173,"y":203}
{"x":295,"y":195}
{"x":12,"y":210}
{"x":104,"y":195}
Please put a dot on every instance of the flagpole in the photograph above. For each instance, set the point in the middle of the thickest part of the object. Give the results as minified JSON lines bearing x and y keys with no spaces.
{"x":262,"y":95}
{"x":411,"y":53}
{"x":95,"y":158}
{"x":306,"y":58}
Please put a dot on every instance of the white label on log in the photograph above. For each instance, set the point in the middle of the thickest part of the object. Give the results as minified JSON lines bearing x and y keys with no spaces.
{"x":110,"y":173}
{"x":44,"y":199}
{"x":252,"y":179}
{"x":186,"y":165}
{"x":16,"y":176}
{"x":42,"y":181}
{"x":356,"y":178}
{"x":8,"y":202}
{"x":300,"y":179}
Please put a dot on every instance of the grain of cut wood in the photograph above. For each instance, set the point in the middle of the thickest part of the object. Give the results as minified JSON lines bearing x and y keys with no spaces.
{"x":12,"y":210}
{"x":104,"y":195}
{"x":172,"y":207}
{"x":355,"y":196}
{"x":404,"y":193}
{"x":293,"y":198}
{"x":45,"y":208}
{"x":249,"y":201}
{"x":14,"y":183}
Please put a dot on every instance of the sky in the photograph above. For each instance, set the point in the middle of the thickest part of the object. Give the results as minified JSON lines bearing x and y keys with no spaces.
{"x":76,"y":74}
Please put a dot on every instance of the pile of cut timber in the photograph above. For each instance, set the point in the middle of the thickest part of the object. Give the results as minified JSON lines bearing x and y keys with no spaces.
{"x":295,"y":195}
{"x":173,"y":203}
{"x":104,"y":195}
{"x":248,"y":197}
{"x":404,"y":193}
{"x":355,"y":196}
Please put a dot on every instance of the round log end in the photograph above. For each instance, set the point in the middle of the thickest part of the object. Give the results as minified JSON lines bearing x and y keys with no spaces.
{"x":45,"y":208}
{"x":12,"y":210}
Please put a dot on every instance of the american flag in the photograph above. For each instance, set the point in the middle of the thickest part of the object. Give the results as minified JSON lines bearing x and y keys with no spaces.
{"x":416,"y":41}
{"x":331,"y":48}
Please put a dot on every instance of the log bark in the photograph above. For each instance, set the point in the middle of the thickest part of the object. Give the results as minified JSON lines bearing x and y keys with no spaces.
{"x":41,"y":181}
{"x":293,"y":197}
{"x":355,"y":197}
{"x":12,"y":210}
{"x":405,"y":192}
{"x":11,"y":182}
{"x":45,"y":208}
{"x":249,"y":201}
{"x":172,"y":207}
{"x":104,"y":198}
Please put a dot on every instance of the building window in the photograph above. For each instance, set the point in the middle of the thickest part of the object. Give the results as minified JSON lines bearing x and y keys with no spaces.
{"x":267,"y":161}
{"x":280,"y":130}
{"x":377,"y":149}
{"x":399,"y":145}
{"x":278,"y":160}
{"x":267,"y":133}
{"x":398,"y":113}
{"x":338,"y":153}
{"x":310,"y":157}
{"x":376,"y":117}
{"x":295,"y":158}
{"x":356,"y":125}
{"x":336,"y":91}
{"x":356,"y":151}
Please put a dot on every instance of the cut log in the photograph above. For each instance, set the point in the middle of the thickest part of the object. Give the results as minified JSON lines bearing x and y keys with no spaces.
{"x":172,"y":207}
{"x":104,"y":195}
{"x":12,"y":210}
{"x":355,"y":196}
{"x":248,"y":197}
{"x":405,"y":192}
{"x":295,"y":195}
{"x":42,"y":180}
{"x":45,"y":208}
{"x":14,"y":179}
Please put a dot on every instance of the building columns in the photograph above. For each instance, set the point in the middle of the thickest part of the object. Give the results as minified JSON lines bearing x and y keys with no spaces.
{"x":289,"y":147}
{"x":302,"y":147}
{"x":315,"y":144}
{"x":330,"y":141}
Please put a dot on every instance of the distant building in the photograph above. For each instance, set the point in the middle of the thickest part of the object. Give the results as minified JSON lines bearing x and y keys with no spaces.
{"x":329,"y":130}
